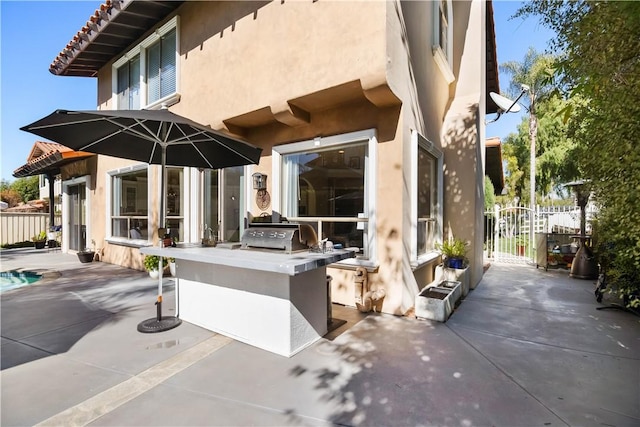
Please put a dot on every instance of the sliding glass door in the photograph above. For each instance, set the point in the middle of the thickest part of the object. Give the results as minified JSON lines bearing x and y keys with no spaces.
{"x":77,"y":217}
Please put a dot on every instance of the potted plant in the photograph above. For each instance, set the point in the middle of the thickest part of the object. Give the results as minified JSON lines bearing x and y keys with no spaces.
{"x":87,"y":255}
{"x":152,"y":262}
{"x":521,"y":245}
{"x":454,"y":252}
{"x":172,"y":265}
{"x":455,"y":263}
{"x":40,"y":240}
{"x":151,"y":265}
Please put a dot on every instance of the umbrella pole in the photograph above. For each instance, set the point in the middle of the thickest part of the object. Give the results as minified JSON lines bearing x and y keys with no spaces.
{"x":160,"y":323}
{"x":161,"y":217}
{"x":159,"y":300}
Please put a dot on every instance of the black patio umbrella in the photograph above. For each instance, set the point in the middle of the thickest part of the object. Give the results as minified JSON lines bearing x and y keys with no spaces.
{"x":150,"y":136}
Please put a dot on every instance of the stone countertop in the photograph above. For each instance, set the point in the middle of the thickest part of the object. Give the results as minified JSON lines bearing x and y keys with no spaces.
{"x":276,"y":262}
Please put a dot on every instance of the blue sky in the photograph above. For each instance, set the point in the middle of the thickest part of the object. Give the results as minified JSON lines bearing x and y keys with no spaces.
{"x":513,"y":39}
{"x":33,"y":32}
{"x":31,"y":35}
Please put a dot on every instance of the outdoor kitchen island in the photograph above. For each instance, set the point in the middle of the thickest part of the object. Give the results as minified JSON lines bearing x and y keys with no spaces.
{"x":269,"y":299}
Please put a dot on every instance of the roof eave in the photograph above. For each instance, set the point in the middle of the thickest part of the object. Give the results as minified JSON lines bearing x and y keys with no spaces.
{"x":50,"y":163}
{"x":110,"y":30}
{"x":493,"y":83}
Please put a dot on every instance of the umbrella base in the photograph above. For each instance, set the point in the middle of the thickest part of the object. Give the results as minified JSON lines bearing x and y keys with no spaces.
{"x":154,"y":325}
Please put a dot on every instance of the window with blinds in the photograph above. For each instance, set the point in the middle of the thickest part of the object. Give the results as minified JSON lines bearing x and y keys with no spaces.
{"x":146,"y":76}
{"x":129,"y":85}
{"x":161,"y":68}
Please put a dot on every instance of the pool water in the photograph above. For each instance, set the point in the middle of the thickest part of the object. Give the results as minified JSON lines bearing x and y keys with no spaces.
{"x":16,"y":279}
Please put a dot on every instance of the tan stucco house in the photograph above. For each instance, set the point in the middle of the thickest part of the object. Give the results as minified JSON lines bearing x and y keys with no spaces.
{"x":370,"y":116}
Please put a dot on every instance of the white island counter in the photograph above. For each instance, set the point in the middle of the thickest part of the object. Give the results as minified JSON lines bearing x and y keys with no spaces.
{"x":272,"y":300}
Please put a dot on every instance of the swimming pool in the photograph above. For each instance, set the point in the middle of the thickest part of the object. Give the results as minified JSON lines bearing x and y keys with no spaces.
{"x":16,"y":279}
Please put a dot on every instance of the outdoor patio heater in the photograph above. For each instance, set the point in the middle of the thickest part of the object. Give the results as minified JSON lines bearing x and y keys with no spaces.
{"x":584,"y":265}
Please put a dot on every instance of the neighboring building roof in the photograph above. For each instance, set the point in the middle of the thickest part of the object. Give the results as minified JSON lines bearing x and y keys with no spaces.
{"x":493,"y":163}
{"x":108,"y":32}
{"x":30,"y":206}
{"x":48,"y":157}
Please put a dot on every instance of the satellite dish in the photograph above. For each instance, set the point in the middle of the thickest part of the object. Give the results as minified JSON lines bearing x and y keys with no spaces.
{"x":504,"y":103}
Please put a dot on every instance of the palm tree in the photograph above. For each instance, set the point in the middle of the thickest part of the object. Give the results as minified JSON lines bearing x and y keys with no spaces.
{"x":534,"y":74}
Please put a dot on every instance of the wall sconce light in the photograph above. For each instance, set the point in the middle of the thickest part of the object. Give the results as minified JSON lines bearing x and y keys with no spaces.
{"x":259,"y":181}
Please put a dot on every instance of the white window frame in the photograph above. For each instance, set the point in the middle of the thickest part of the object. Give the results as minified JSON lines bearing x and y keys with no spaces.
{"x":417,"y":141}
{"x":371,"y":177}
{"x":244,"y":194}
{"x":127,"y":63}
{"x":443,"y":59}
{"x":141,"y":49}
{"x":123,"y":241}
{"x":184,"y":201}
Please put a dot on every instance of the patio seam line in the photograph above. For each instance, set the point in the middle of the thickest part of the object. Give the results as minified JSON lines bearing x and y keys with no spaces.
{"x":120,"y":371}
{"x":510,"y":377}
{"x":244,"y":403}
{"x":108,"y":400}
{"x":29,"y":345}
{"x":110,"y":314}
{"x":60,"y":328}
{"x":493,"y":302}
{"x":620,"y":413}
{"x":545,"y":344}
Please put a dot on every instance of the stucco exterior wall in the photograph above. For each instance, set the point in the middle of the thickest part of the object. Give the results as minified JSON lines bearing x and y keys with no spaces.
{"x":428,"y":99}
{"x":463,"y":137}
{"x":416,"y":78}
{"x":247,"y":57}
{"x":281,"y":72}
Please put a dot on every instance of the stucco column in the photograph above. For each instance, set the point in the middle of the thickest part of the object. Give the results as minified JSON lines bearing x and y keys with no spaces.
{"x":463,"y":180}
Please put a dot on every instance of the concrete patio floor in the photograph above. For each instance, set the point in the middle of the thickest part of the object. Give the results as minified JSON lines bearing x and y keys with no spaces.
{"x":526,"y":347}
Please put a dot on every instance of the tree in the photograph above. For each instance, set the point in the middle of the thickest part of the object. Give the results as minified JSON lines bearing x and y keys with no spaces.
{"x":555,"y":154}
{"x":556,"y":160}
{"x":600,"y":65}
{"x":515,"y":151}
{"x":28,"y":188}
{"x":489,"y":194}
{"x":535,"y":71}
{"x":8,"y":194}
{"x":12,"y":197}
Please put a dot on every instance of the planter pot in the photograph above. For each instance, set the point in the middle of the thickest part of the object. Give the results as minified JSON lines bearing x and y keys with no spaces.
{"x":520,"y":250}
{"x":85,"y":257}
{"x":435,"y":303}
{"x":40,"y":244}
{"x":455,"y":263}
{"x":454,"y":286}
{"x":457,"y":275}
{"x":153,"y":273}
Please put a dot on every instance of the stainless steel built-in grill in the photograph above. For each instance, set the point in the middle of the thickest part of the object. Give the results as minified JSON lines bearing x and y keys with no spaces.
{"x":285,"y":237}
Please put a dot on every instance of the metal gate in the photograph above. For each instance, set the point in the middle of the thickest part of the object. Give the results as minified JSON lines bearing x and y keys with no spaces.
{"x":507,"y":231}
{"x":508,"y":236}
